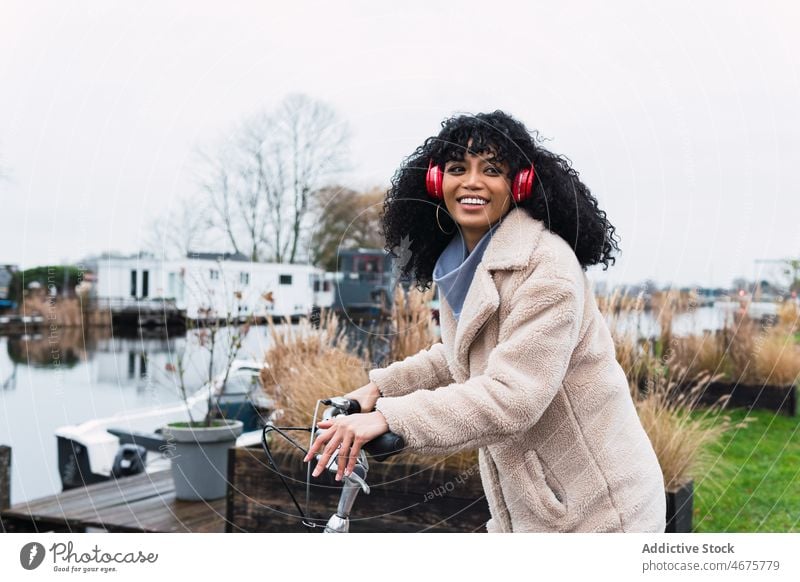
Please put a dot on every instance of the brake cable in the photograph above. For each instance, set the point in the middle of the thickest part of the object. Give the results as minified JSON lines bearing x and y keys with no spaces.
{"x":309,"y":525}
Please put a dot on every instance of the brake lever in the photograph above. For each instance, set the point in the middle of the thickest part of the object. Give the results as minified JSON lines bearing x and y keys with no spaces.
{"x":355,"y":479}
{"x":342,"y":405}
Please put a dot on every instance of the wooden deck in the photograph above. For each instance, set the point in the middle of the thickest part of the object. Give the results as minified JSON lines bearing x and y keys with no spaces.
{"x":141,"y":503}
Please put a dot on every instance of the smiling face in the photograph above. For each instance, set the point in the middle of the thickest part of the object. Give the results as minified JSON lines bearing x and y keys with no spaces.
{"x":477,"y":193}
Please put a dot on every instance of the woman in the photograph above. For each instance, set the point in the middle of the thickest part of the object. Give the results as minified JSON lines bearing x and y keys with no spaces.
{"x":526,"y":372}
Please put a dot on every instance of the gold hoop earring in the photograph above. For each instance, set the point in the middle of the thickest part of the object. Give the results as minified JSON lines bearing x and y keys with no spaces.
{"x":439,"y":223}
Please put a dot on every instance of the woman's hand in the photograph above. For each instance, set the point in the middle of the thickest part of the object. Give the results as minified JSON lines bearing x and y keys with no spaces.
{"x":367,"y":396}
{"x":348,"y":434}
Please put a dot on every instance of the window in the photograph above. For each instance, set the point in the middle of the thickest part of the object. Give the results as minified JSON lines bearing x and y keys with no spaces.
{"x":368,"y":264}
{"x":316,"y":286}
{"x":285,"y":280}
{"x":326,"y":286}
{"x":145,"y":283}
{"x":133,"y":283}
{"x":368,"y":267}
{"x":244,"y":278}
{"x":213,"y":274}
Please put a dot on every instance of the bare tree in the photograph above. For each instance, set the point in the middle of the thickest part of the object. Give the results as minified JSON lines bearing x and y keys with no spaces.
{"x":259,"y":180}
{"x":183,"y":229}
{"x":314,"y":148}
{"x":216,"y":183}
{"x":257,"y":187}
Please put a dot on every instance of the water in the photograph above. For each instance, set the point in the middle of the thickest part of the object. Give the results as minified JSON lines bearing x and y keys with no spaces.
{"x":695,"y":322}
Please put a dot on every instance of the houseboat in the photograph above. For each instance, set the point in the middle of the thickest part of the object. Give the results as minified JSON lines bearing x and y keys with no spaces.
{"x":201,"y":285}
{"x":365,"y":282}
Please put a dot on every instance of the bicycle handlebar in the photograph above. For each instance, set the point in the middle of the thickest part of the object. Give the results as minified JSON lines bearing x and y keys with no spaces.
{"x":380,"y":449}
{"x":385,"y":446}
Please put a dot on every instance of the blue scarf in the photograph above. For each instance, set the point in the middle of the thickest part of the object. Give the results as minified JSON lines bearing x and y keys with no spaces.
{"x":455,"y":268}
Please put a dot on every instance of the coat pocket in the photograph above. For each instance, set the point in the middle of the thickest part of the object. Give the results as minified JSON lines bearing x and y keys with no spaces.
{"x":546,"y":488}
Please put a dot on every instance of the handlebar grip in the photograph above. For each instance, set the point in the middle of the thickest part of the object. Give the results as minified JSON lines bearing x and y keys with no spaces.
{"x":354,"y":406}
{"x":384,"y":446}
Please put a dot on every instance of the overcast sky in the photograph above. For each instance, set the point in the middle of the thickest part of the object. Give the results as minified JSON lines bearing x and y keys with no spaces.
{"x":680,"y":116}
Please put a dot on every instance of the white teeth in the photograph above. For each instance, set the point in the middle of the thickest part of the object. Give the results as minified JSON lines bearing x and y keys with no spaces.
{"x":473,"y":201}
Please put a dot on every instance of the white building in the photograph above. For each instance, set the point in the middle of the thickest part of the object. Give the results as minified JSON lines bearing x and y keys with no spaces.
{"x":214,"y":283}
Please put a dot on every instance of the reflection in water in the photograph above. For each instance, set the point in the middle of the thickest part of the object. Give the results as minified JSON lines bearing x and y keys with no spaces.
{"x":144,"y":357}
{"x":9,"y":381}
{"x":138,"y":360}
{"x":66,"y":347}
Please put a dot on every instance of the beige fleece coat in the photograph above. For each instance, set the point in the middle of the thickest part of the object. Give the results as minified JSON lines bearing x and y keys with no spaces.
{"x":529,"y":377}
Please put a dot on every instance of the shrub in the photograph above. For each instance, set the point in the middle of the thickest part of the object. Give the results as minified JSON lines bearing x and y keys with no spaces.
{"x":683,"y":442}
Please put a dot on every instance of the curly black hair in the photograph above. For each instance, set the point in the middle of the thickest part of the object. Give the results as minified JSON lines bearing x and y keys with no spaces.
{"x":560,"y":200}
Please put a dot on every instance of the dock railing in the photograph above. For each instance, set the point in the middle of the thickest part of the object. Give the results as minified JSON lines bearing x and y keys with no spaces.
{"x":134,"y":304}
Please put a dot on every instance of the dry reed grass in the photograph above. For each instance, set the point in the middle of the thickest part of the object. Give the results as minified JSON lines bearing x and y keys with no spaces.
{"x":776,"y":360}
{"x":789,"y":316}
{"x":698,"y":355}
{"x":619,"y":302}
{"x":60,"y":311}
{"x":738,"y":338}
{"x":683,"y":442}
{"x":664,"y":307}
{"x":743,"y":351}
{"x":637,"y":358}
{"x":309,"y":363}
{"x":413,"y":327}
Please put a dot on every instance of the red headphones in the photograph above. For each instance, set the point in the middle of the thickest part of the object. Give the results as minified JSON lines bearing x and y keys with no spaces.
{"x":521,"y":189}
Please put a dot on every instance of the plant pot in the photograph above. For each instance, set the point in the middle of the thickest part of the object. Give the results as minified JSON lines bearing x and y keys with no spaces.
{"x":679,"y":509}
{"x":200,"y":458}
{"x":780,"y":398}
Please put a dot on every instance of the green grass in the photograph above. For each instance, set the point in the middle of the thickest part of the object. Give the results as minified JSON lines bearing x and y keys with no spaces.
{"x":755,"y":483}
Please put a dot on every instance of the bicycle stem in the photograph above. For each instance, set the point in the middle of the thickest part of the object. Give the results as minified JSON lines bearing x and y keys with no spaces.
{"x":339,"y":522}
